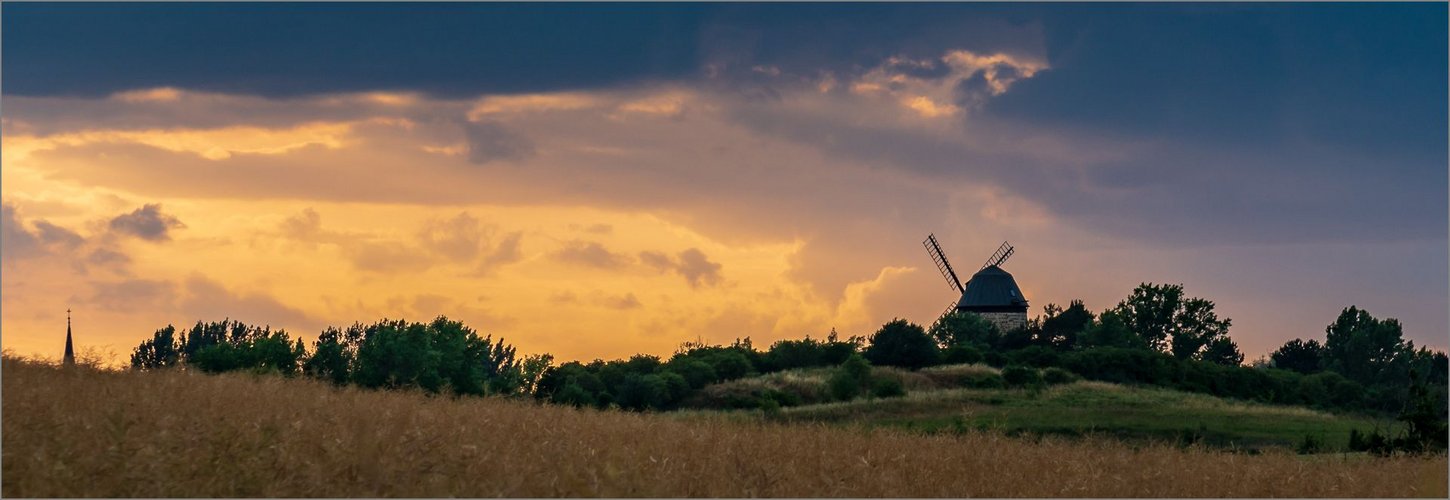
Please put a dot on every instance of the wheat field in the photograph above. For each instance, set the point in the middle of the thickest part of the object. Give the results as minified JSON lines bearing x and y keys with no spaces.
{"x":82,"y":432}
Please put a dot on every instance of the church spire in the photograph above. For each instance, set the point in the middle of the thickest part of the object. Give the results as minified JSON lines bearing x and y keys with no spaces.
{"x":70,"y":352}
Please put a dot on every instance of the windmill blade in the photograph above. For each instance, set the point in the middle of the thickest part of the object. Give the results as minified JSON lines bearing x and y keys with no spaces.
{"x":1000,"y":256}
{"x":952,"y":307}
{"x":940,"y":259}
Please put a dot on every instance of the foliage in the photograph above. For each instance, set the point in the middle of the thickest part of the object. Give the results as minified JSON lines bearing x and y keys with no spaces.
{"x":1021,"y":376}
{"x":850,"y":378}
{"x":1365,"y":349}
{"x":1111,"y":331}
{"x":1060,"y":327}
{"x":964,"y":328}
{"x":1299,"y":355}
{"x":962,"y":354}
{"x":886,"y":387}
{"x":158,"y":352}
{"x":1057,"y":376}
{"x":221,"y":346}
{"x":904,"y":344}
{"x":1167,"y":321}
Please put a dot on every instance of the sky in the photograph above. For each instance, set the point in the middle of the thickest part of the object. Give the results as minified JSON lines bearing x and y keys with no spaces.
{"x":599,"y":180}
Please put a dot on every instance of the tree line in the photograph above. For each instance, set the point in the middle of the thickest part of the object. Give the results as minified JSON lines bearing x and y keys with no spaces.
{"x":1156,"y":336}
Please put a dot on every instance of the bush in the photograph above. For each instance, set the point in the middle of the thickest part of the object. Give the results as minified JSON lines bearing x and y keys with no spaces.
{"x":985,"y":381}
{"x":695,"y":372}
{"x":849,"y":379}
{"x":1056,"y":376}
{"x":886,"y":387}
{"x":904,"y":344}
{"x":843,"y":387}
{"x":962,"y":354}
{"x":1038,"y":356}
{"x":1021,"y":376}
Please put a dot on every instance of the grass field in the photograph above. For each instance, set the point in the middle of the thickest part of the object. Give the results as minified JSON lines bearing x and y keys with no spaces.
{"x":1133,"y":414}
{"x":80,"y":432}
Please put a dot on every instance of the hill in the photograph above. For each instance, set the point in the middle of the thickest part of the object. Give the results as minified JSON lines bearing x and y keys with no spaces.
{"x":81,"y":432}
{"x":937,"y":403}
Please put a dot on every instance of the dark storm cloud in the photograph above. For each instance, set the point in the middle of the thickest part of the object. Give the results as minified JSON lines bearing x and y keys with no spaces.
{"x":147,"y":223}
{"x":277,"y":49}
{"x":492,"y":141}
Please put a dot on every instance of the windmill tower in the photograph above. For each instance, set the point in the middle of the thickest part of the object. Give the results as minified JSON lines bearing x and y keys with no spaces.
{"x":991,"y":292}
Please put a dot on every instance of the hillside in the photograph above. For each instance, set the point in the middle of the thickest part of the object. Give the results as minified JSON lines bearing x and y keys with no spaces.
{"x":1135,"y":414}
{"x":81,"y":432}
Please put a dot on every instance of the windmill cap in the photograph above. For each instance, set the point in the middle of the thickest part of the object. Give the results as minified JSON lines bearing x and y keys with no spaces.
{"x":992,"y":287}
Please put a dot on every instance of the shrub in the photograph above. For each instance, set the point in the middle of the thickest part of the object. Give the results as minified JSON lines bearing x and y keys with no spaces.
{"x":987,"y":380}
{"x":695,"y":372}
{"x":1021,"y":376}
{"x":1056,"y":376}
{"x":904,"y":344}
{"x":886,"y":387}
{"x":1038,"y":356}
{"x":962,"y":353}
{"x":849,"y":379}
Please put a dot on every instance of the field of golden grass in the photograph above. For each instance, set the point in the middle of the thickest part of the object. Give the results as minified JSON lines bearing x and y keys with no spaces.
{"x":81,"y":432}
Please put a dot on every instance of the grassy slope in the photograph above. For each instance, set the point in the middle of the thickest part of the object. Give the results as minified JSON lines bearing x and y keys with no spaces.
{"x":80,"y":432}
{"x":1137,"y":414}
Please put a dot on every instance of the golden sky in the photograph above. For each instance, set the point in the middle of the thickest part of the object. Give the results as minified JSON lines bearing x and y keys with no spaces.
{"x":593,"y":224}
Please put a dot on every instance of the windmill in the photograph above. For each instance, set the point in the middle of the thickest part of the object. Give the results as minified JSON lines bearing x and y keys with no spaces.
{"x":991,"y":292}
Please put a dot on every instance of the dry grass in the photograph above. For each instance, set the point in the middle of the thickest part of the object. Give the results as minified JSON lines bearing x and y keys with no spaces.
{"x":80,"y":432}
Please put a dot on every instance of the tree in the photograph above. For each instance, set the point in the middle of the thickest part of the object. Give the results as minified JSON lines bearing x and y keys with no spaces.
{"x":961,"y":327}
{"x":1110,"y":331}
{"x":1169,"y":322}
{"x":159,"y":352}
{"x":1223,"y":351}
{"x":331,"y":357}
{"x":1061,"y":327}
{"x":904,"y":344}
{"x":1299,"y":355}
{"x":1149,"y":312}
{"x":1195,"y":327}
{"x":1362,"y":348}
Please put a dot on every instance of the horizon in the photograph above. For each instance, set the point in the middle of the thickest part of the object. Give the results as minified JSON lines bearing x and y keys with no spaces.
{"x":599,"y":180}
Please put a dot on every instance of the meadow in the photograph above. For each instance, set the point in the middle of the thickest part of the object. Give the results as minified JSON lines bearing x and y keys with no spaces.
{"x":81,"y":432}
{"x":937,"y":402}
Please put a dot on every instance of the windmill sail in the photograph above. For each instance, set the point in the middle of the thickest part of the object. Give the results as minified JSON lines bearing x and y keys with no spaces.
{"x":1003,"y":252}
{"x":940,"y":259}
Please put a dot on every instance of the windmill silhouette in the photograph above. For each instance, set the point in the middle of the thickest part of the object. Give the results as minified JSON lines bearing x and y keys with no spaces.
{"x":991,"y":292}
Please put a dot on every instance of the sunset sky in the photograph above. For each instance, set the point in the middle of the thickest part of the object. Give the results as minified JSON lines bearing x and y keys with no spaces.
{"x":598,"y":180}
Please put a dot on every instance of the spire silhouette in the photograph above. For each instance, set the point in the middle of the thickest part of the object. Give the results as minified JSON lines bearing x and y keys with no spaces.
{"x":70,"y":352}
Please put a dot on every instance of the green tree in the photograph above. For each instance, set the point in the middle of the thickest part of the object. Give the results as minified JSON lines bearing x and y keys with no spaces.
{"x":1168,"y":321}
{"x":1110,"y":330}
{"x":1061,"y":327}
{"x":1149,"y":312}
{"x":1299,"y":355}
{"x":904,"y":344}
{"x":848,"y":380}
{"x":158,"y":352}
{"x":1362,"y":348}
{"x":964,"y":328}
{"x":1223,"y":351}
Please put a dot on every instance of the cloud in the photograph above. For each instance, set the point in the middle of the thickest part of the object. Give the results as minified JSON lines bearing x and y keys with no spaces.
{"x":460,"y":238}
{"x":132,"y":294}
{"x":692,"y":264}
{"x":491,"y":141}
{"x":506,"y":252}
{"x":208,"y":300}
{"x":625,"y":301}
{"x":147,"y":223}
{"x":18,"y":242}
{"x":53,"y":234}
{"x":592,"y":254}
